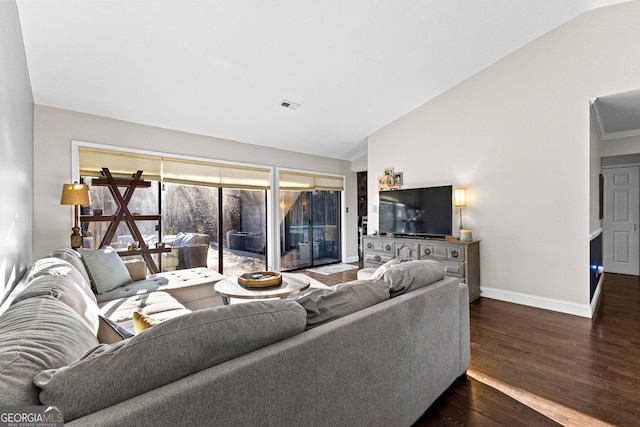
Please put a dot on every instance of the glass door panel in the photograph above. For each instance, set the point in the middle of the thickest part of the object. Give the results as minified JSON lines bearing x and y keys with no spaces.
{"x":309,"y":228}
{"x":295,"y":247}
{"x":244,"y":226}
{"x":190,"y":226}
{"x":326,"y":226}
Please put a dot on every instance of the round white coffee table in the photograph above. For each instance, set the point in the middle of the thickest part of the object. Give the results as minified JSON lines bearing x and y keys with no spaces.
{"x":291,"y":283}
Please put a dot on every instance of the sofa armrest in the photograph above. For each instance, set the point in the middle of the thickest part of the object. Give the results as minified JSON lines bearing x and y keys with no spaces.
{"x":137,"y":268}
{"x":366,"y":273}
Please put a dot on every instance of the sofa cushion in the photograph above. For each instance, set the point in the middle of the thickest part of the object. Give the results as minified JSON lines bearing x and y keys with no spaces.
{"x":410,"y":275}
{"x":56,"y":266}
{"x":66,"y":287}
{"x":195,"y":239}
{"x":173,"y":282}
{"x":159,"y":304}
{"x":178,"y":240}
{"x":151,"y":284}
{"x":74,"y":258}
{"x":106,"y":268}
{"x":379,"y":272}
{"x":324,"y":305}
{"x":167,"y":352}
{"x":36,"y":334}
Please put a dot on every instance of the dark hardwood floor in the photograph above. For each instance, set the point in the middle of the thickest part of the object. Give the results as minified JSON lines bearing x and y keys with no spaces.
{"x":571,"y":370}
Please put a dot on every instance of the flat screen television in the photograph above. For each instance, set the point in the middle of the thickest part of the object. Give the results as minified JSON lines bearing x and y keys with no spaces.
{"x":419,"y":212}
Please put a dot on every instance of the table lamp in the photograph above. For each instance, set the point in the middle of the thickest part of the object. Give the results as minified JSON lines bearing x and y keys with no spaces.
{"x":77,"y":195}
{"x":460,"y":201}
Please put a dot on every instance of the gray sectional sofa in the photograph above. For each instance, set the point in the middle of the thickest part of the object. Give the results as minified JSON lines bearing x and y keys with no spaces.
{"x":368,"y":352}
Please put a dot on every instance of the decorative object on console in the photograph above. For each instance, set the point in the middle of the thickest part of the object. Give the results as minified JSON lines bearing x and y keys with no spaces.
{"x":460,"y":201}
{"x":76,"y":195}
{"x":390,"y":180}
{"x":397,"y":179}
{"x":465,"y":236}
{"x":382,"y":184}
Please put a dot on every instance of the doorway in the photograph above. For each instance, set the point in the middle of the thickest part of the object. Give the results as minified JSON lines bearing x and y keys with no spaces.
{"x":621,"y":220}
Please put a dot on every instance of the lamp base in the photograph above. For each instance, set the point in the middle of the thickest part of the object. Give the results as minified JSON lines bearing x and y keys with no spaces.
{"x":76,"y":238}
{"x":465,"y":235}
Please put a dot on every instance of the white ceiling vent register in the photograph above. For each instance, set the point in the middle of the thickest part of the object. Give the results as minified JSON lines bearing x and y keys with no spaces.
{"x":289,"y":104}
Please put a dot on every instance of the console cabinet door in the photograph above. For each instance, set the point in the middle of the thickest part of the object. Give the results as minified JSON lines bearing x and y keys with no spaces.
{"x":408,"y":251}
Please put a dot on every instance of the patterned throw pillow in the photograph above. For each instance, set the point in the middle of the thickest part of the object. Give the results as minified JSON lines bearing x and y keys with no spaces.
{"x":141,"y":321}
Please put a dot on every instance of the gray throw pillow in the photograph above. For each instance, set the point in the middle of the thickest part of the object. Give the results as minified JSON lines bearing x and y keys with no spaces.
{"x":410,"y":275}
{"x":109,"y":332}
{"x":35,"y":334}
{"x":324,"y":305}
{"x":168,"y":351}
{"x":106,"y":269}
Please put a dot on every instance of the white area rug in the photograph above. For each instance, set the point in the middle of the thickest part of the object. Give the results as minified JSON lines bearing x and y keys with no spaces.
{"x":332,"y":268}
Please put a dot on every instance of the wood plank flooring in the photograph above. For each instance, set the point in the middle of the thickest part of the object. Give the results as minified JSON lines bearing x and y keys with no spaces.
{"x":576,"y":371}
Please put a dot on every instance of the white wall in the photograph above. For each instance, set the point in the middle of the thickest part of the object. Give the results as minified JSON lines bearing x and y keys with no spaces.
{"x":55,"y":128}
{"x":517,"y":136}
{"x":16,"y":152}
{"x":360,"y":164}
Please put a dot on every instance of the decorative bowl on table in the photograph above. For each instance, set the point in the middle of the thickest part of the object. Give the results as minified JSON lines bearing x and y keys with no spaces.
{"x":260,"y":279}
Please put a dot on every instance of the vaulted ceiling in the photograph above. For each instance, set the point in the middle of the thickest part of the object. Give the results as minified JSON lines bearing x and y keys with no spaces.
{"x":223,"y":68}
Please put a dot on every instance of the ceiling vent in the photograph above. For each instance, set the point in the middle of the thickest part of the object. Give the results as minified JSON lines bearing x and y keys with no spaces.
{"x":289,"y":104}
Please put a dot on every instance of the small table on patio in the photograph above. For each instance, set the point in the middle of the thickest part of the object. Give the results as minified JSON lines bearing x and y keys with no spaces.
{"x":291,"y":284}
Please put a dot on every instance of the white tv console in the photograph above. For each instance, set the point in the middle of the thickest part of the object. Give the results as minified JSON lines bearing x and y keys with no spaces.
{"x":461,"y":259}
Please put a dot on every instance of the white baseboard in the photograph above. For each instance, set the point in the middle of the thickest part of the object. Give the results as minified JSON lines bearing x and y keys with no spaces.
{"x":596,"y":295}
{"x":583,"y":310}
{"x":351,"y":259}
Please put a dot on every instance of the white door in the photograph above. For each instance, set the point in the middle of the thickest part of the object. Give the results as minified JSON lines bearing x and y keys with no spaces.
{"x":620,"y":223}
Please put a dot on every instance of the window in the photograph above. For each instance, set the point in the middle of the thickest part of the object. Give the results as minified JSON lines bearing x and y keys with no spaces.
{"x":196,"y":199}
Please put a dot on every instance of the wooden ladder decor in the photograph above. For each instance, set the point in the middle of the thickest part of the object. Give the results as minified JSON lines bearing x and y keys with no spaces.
{"x":123,"y":214}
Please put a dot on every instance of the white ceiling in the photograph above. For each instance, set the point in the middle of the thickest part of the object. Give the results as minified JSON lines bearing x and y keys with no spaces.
{"x":221,"y":68}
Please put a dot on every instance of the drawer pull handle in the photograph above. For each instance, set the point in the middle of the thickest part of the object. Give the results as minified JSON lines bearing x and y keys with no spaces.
{"x":377,"y":258}
{"x":427,"y":251}
{"x":369,"y":245}
{"x":455,"y":254}
{"x":388,"y":247}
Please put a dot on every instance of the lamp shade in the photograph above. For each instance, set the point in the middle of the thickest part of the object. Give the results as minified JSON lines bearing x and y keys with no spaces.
{"x":75,"y":194}
{"x":460,"y":197}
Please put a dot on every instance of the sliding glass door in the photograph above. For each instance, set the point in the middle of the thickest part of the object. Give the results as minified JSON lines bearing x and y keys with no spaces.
{"x":244,"y":226}
{"x":230,"y":224}
{"x":309,"y":228}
